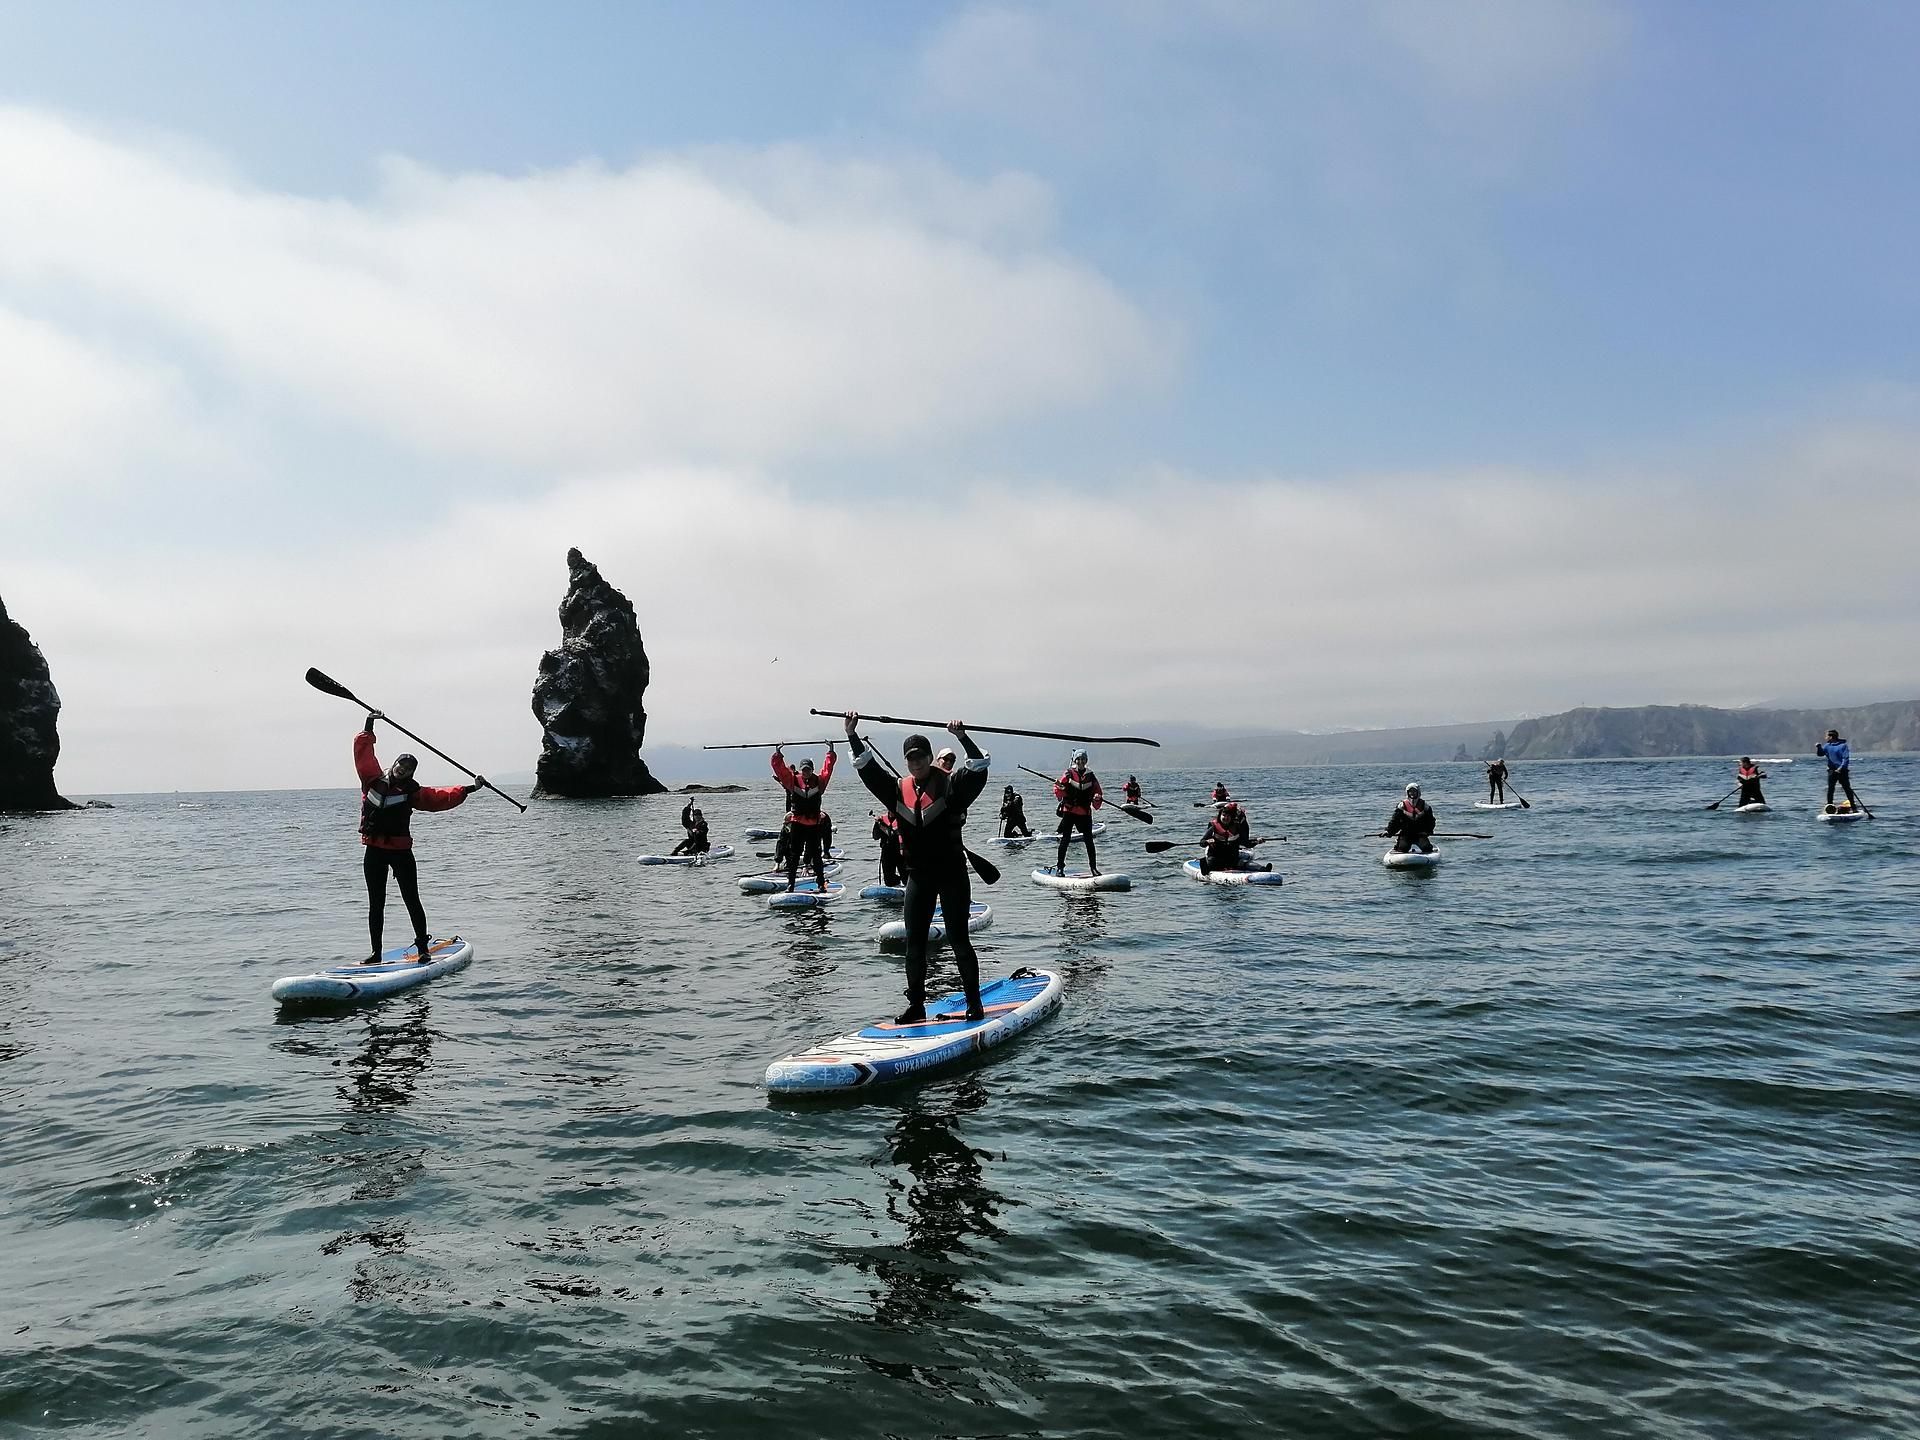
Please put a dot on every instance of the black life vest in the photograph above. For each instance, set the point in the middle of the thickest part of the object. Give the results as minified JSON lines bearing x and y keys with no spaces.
{"x":386,"y":808}
{"x":803,"y":802}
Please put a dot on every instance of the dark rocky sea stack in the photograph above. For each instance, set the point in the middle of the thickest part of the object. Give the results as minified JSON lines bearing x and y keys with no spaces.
{"x":588,"y":696}
{"x":29,"y":723}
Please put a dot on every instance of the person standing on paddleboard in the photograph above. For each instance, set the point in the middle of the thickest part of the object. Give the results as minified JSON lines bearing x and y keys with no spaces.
{"x":1750,"y":775}
{"x":931,"y":807}
{"x":1839,"y":757}
{"x":1413,"y":823}
{"x":695,"y":824}
{"x":1079,"y":794}
{"x":388,"y":799}
{"x":807,"y":824}
{"x":1497,"y":782}
{"x":1013,"y":815}
{"x":886,"y":831}
{"x":1226,"y":833}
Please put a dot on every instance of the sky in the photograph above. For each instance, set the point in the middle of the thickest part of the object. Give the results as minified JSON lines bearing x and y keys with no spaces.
{"x":1303,"y":364}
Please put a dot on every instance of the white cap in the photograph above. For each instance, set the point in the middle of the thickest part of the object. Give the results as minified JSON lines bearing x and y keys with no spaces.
{"x":946,"y":753}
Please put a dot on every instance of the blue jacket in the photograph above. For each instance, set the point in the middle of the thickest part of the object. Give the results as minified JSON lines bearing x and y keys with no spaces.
{"x":1836,"y":752}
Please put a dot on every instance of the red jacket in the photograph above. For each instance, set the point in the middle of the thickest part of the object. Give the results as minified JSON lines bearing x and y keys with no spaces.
{"x":1087,"y":790}
{"x":372,"y":781}
{"x":790,"y":781}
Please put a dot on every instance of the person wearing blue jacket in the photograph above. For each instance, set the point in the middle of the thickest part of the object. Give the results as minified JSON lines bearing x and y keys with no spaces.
{"x":1839,"y":758}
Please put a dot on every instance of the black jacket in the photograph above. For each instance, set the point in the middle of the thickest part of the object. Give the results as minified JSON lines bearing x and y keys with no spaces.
{"x":929,"y":829}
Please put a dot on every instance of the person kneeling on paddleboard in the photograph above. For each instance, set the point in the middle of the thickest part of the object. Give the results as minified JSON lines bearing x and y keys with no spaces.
{"x":1412,"y":822}
{"x":1130,"y":791}
{"x":1839,"y":758}
{"x":1013,"y":815}
{"x":931,"y":806}
{"x":1219,"y":791}
{"x":1750,"y":775}
{"x":886,"y":830}
{"x":1497,"y":782}
{"x":388,"y":799}
{"x":1079,"y":794}
{"x":1226,"y":833}
{"x":807,"y":824}
{"x":695,"y":824}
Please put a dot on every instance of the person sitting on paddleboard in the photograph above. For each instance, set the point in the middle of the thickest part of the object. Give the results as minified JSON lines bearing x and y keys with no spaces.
{"x":1413,"y":822}
{"x":886,"y":830}
{"x":1226,"y":833}
{"x":1839,"y":758}
{"x":1013,"y":815}
{"x":1497,"y":782}
{"x":695,"y":824}
{"x":1750,"y":775}
{"x":388,"y":799}
{"x":1131,"y":791}
{"x":807,"y":824}
{"x":931,"y":806}
{"x":1219,"y":791}
{"x":1079,"y":794}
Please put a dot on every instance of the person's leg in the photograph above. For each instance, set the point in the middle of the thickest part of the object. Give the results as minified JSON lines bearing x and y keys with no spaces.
{"x":1846,"y":784}
{"x":374,"y":866}
{"x":922,"y":895}
{"x":1403,"y":842}
{"x":790,"y":847}
{"x":956,"y":897}
{"x":1086,"y":826}
{"x":683,"y":847}
{"x":1066,"y":830}
{"x":1833,"y":777}
{"x":815,"y":857}
{"x":408,"y":874}
{"x":889,"y":865}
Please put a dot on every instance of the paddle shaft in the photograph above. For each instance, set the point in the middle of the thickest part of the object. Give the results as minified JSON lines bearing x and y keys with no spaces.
{"x":1437,"y":835}
{"x":334,"y":687}
{"x":1724,"y":798}
{"x":1000,"y":730}
{"x":1155,"y":847}
{"x":1132,"y":811}
{"x":773,"y":744}
{"x":982,"y":866}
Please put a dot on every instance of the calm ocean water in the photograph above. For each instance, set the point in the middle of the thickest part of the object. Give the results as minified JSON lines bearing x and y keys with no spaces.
{"x":1610,"y":1127}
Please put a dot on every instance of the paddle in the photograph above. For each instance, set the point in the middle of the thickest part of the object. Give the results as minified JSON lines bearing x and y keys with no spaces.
{"x":1437,"y":835}
{"x":1155,"y":847}
{"x":1724,"y":798}
{"x":331,"y":686}
{"x":1134,"y":810}
{"x":998,"y":729}
{"x":773,"y":744}
{"x":1202,"y":804}
{"x":983,"y":867}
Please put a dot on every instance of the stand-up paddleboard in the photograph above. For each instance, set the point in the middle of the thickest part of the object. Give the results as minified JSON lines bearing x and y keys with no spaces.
{"x":1496,"y":805}
{"x":1840,"y":814}
{"x":1049,"y":837}
{"x":1015,"y":842}
{"x":771,"y":880}
{"x":885,"y":894}
{"x":885,"y":1051}
{"x":806,"y":896}
{"x":1268,"y":876}
{"x":979,"y":917}
{"x":1758,"y":807}
{"x":1772,"y":760}
{"x":1410,"y":860}
{"x":718,"y":852}
{"x":1080,"y":880}
{"x":399,"y":969}
{"x":760,"y":832}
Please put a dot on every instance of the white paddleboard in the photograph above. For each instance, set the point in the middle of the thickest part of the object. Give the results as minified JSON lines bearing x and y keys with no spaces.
{"x":399,"y":969}
{"x":769,"y":881}
{"x":1268,"y":876}
{"x":1759,"y":807}
{"x":885,"y":894}
{"x":1835,"y":815}
{"x":979,"y":917}
{"x":806,"y":896}
{"x":1051,"y":837}
{"x":760,"y":832}
{"x":1496,"y":805}
{"x":884,"y":1051}
{"x":1080,"y":880}
{"x":718,"y":852}
{"x":1410,"y":860}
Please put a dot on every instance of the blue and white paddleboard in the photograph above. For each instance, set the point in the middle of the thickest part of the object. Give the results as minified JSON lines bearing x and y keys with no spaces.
{"x":399,"y":969}
{"x":1840,"y":814}
{"x":760,"y":832}
{"x":1080,"y":880}
{"x":1410,"y":859}
{"x":885,"y":894}
{"x":1498,"y":805}
{"x":769,"y":881}
{"x":1016,"y":841}
{"x":1268,"y":876}
{"x":979,"y":917}
{"x":718,"y":852}
{"x":805,"y":896}
{"x":885,"y":1051}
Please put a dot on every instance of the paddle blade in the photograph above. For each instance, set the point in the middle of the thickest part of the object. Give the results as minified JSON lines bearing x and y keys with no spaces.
{"x":1136,"y":812}
{"x":331,"y":686}
{"x":984,"y":868}
{"x":1155,"y":847}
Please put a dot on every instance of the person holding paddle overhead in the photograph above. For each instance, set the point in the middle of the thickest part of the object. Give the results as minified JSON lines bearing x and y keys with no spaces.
{"x":1226,"y":833}
{"x":1079,"y":794}
{"x":1839,"y":758}
{"x":1412,"y":824}
{"x":388,"y":799}
{"x":931,"y":807}
{"x":1013,"y":815}
{"x":695,"y":824}
{"x":1750,"y":775}
{"x":1497,"y":782}
{"x":807,"y":825}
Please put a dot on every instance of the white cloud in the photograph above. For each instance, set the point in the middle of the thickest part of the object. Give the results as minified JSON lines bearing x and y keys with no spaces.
{"x":1253,"y":603}
{"x":728,"y":305}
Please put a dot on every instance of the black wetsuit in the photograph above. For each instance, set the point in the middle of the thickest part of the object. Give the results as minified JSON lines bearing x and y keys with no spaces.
{"x":1749,"y":788}
{"x":1415,"y":831}
{"x":1077,"y":791}
{"x":696,"y":842}
{"x":931,"y":815}
{"x":892,"y":868}
{"x":1497,"y":782}
{"x":1013,"y":817}
{"x":375,"y":865}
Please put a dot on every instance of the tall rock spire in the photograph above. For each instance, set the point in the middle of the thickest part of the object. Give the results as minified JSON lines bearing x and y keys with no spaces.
{"x":29,"y":723}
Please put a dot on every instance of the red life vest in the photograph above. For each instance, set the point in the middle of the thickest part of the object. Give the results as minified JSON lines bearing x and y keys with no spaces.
{"x":1219,"y":792}
{"x":803,"y":804}
{"x":1078,"y":799}
{"x":1747,"y":772}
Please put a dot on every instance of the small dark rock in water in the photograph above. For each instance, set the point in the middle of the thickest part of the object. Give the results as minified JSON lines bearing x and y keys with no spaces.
{"x":588,"y":696}
{"x":713,"y":789}
{"x":29,"y":729}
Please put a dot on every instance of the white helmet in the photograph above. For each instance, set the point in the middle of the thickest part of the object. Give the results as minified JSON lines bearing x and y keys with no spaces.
{"x":1413,"y":789}
{"x":1079,"y":757}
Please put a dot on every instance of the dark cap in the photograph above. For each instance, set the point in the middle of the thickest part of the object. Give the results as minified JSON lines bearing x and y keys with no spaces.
{"x":916,"y":745}
{"x":413,"y":760}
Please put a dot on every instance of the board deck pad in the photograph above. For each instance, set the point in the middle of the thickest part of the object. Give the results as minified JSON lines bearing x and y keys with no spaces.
{"x":883,"y":1051}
